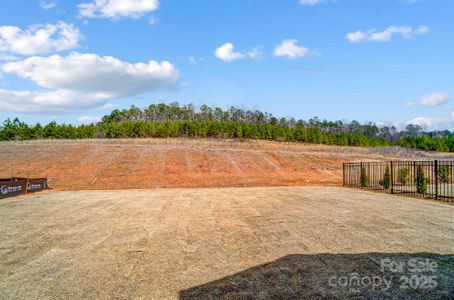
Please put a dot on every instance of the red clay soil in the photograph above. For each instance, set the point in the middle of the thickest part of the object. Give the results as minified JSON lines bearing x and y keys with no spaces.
{"x":159,"y":163}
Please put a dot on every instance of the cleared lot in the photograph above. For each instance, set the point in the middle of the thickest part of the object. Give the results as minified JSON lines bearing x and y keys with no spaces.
{"x":230,"y":242}
{"x":186,"y":163}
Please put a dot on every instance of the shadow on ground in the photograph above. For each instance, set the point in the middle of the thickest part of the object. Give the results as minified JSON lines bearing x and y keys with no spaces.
{"x":338,"y":276}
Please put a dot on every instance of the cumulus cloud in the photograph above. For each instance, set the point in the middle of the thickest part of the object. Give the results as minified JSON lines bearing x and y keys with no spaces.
{"x":310,"y":2}
{"x":81,"y":81}
{"x":90,"y":73}
{"x":117,"y":9}
{"x":227,"y":53}
{"x":89,"y":119}
{"x":38,"y":39}
{"x":421,"y":121}
{"x":59,"y":101}
{"x":289,"y":48}
{"x":434,"y":99}
{"x":372,"y":35}
{"x":429,"y":123}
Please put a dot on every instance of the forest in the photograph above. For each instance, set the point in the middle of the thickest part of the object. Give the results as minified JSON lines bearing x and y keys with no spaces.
{"x":175,"y":120}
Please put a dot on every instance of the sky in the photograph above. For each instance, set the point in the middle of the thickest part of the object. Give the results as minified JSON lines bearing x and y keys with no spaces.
{"x":383,"y":61}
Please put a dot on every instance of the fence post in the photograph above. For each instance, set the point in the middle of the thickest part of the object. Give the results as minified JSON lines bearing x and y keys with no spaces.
{"x":436,"y":179}
{"x":361,"y":175}
{"x":414,"y":178}
{"x":26,"y":185}
{"x":392,"y":178}
{"x":343,"y":173}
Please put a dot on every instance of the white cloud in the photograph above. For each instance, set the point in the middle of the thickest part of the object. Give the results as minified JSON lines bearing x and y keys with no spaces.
{"x":385,"y":36}
{"x":421,"y":121}
{"x":310,"y":2}
{"x":38,"y":39}
{"x":90,"y":73}
{"x":47,"y":102}
{"x":46,"y":4}
{"x":432,"y":123}
{"x":89,"y":119}
{"x":227,"y":53}
{"x":434,"y":99}
{"x":289,"y":48}
{"x":81,"y":81}
{"x":117,"y":9}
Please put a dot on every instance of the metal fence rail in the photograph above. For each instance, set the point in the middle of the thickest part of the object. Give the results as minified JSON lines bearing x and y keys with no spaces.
{"x":427,"y":179}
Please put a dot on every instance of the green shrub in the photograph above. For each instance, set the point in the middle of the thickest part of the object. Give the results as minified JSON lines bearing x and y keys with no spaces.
{"x":386,"y":182}
{"x":444,"y":173}
{"x":421,"y":181}
{"x":403,"y":175}
{"x":364,"y":178}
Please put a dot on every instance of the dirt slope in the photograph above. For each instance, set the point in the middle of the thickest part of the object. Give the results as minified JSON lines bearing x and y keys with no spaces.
{"x":153,"y":163}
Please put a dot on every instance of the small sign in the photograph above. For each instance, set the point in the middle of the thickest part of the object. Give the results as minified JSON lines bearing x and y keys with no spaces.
{"x":18,"y":186}
{"x":12,"y":187}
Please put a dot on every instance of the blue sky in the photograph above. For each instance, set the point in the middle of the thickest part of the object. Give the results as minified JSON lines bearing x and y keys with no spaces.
{"x":380,"y":61}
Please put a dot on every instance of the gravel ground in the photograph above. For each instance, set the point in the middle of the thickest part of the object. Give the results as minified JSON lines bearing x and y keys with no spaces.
{"x":275,"y":242}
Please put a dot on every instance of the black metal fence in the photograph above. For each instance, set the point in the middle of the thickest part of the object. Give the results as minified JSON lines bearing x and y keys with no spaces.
{"x":427,"y":179}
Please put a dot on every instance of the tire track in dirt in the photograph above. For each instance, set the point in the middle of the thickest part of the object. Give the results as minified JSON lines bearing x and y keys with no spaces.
{"x":102,"y":165}
{"x":121,"y":171}
{"x":272,"y":158}
{"x":176,"y":171}
{"x":162,"y":160}
{"x":91,"y":154}
{"x":274,"y":165}
{"x":237,"y":168}
{"x":136,"y":168}
{"x":148,"y":171}
{"x":188,"y":161}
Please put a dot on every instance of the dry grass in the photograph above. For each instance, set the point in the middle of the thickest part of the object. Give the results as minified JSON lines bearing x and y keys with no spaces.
{"x":211,"y":243}
{"x":220,"y":144}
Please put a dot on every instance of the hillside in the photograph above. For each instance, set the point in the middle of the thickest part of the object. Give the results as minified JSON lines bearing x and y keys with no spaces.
{"x":154,"y":163}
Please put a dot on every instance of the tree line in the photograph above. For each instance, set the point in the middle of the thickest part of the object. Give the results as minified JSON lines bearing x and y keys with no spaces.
{"x":173,"y":120}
